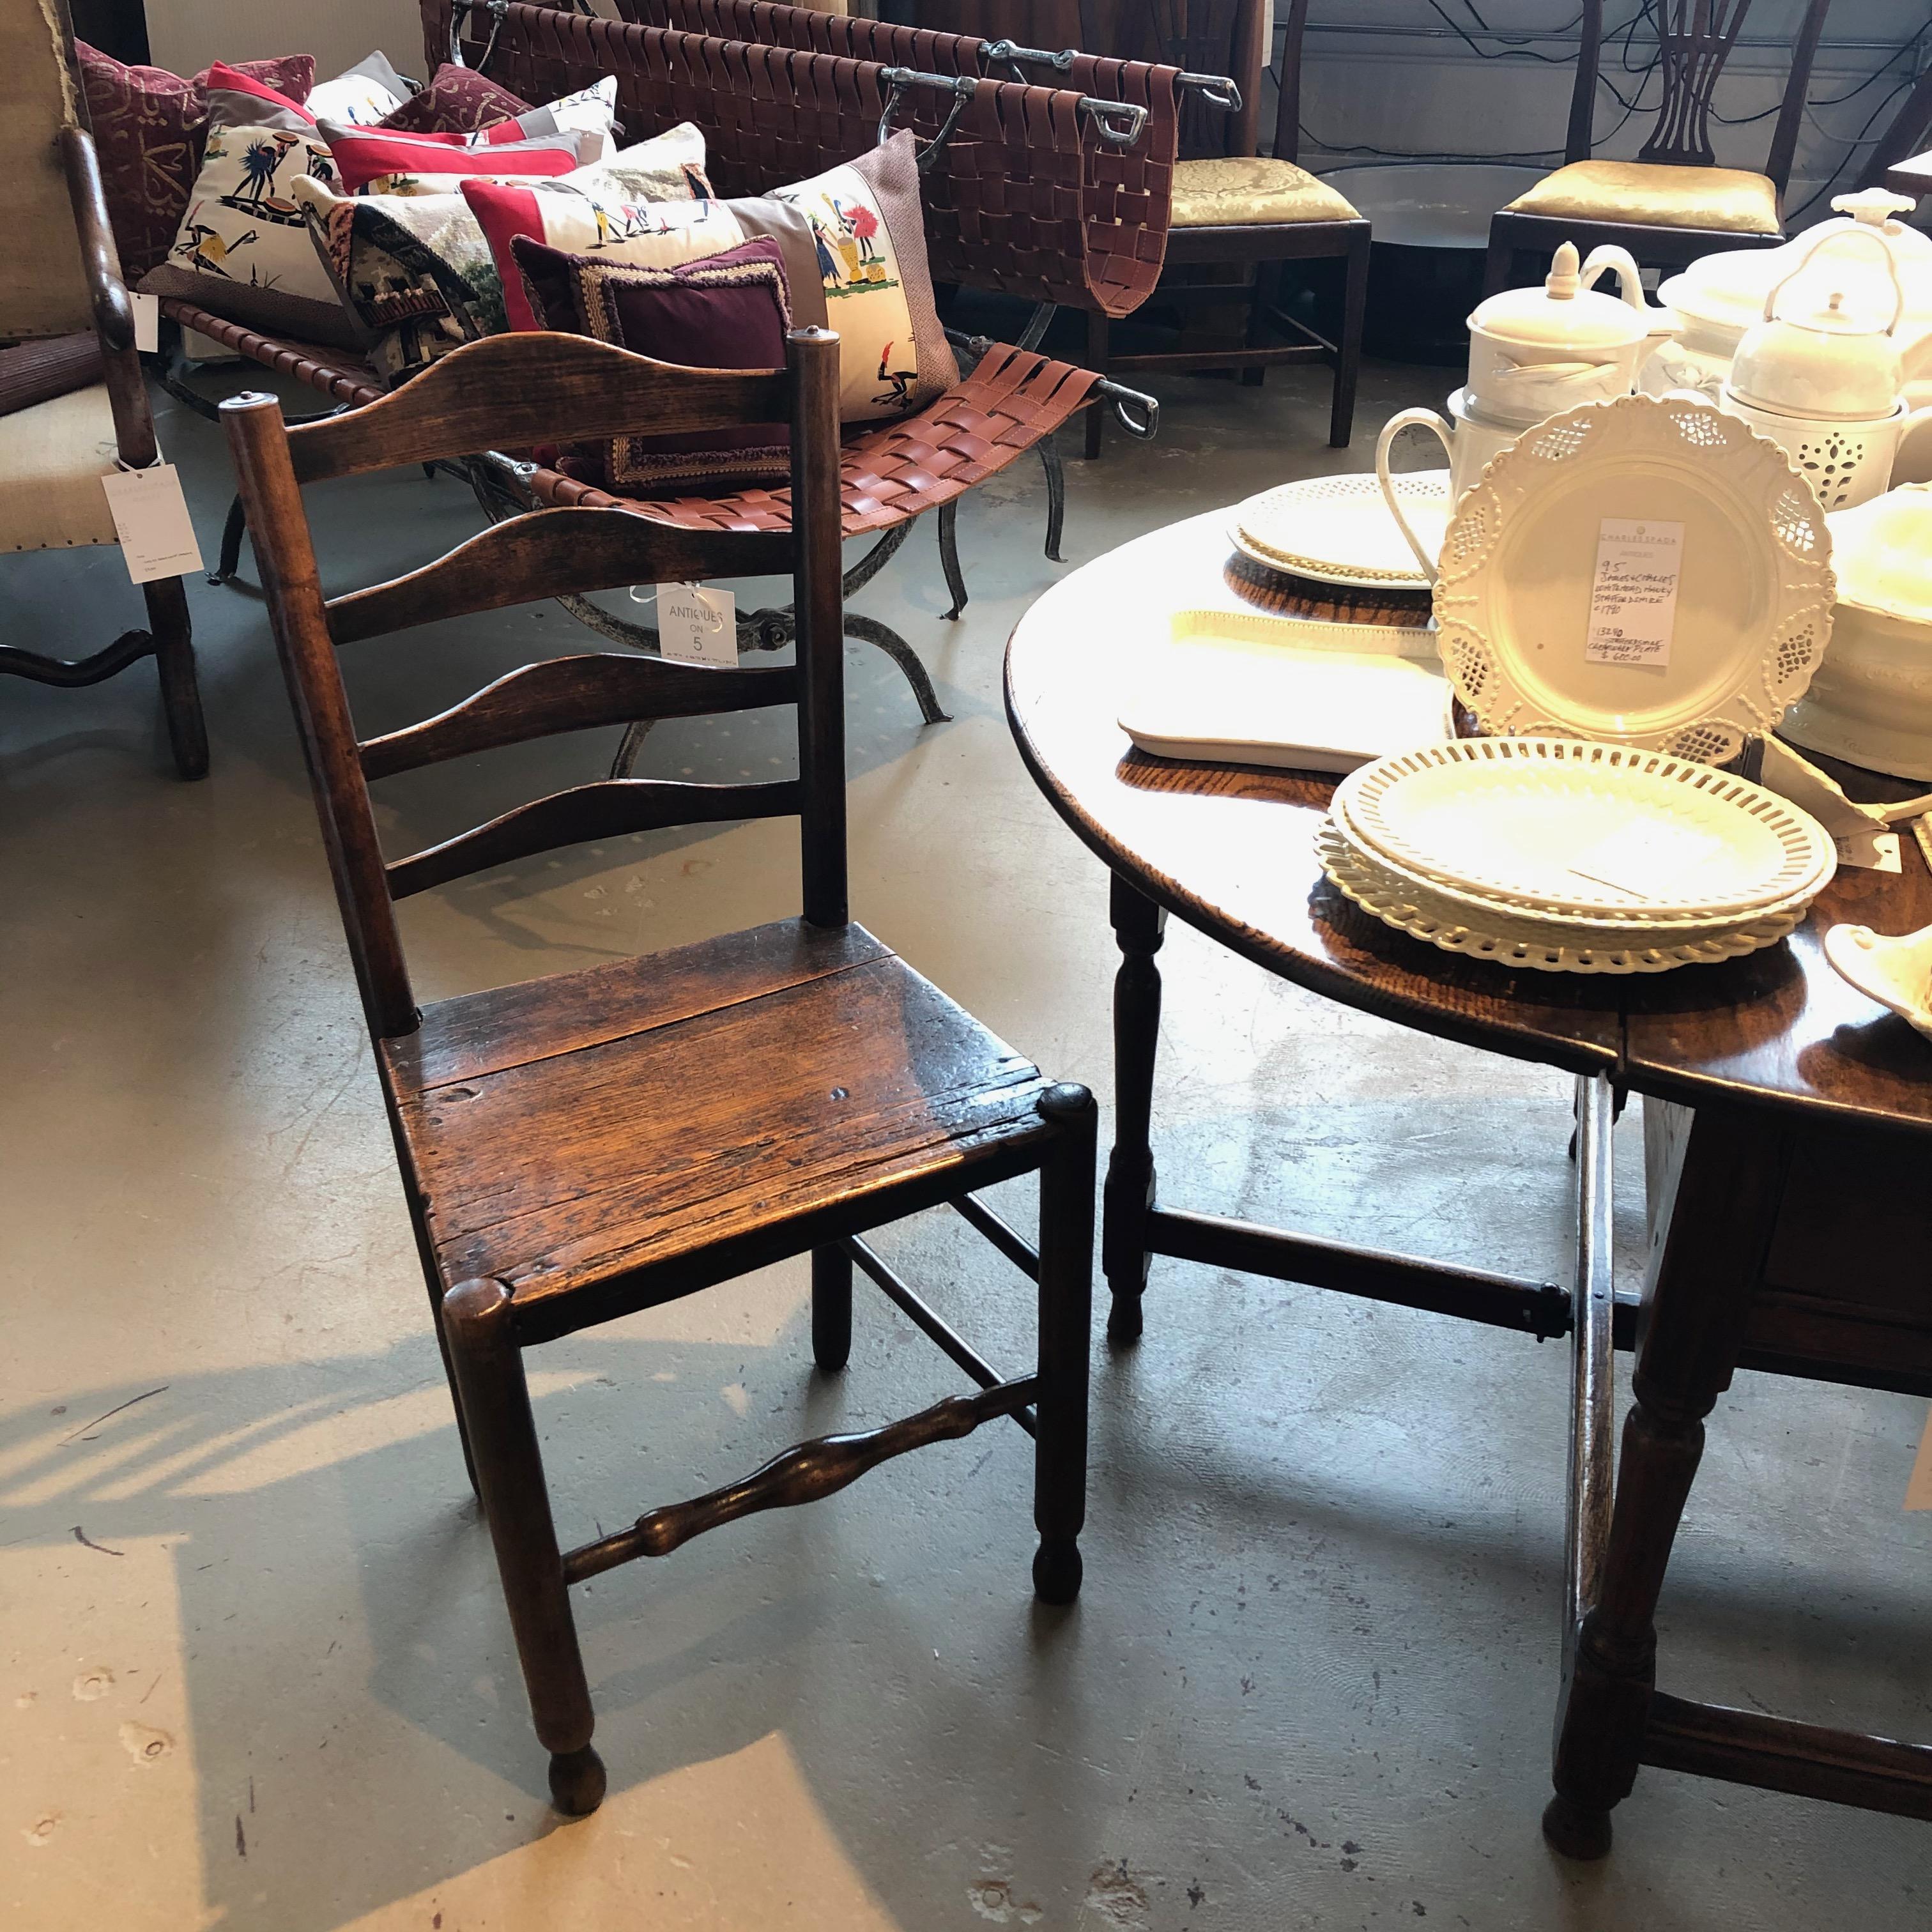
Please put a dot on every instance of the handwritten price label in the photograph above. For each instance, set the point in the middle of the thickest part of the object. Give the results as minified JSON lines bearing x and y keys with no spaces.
{"x":1634,"y":596}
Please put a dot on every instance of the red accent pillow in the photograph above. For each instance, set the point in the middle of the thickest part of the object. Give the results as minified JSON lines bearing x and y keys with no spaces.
{"x":147,"y":124}
{"x":376,"y":155}
{"x":459,"y":100}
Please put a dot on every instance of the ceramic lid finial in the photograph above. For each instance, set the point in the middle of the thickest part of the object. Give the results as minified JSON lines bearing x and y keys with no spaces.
{"x":1563,"y":280}
{"x":1877,"y":206}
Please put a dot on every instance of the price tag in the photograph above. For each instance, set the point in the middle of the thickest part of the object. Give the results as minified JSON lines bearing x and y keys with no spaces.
{"x":697,"y":625}
{"x":1633,"y":597}
{"x":147,"y":323}
{"x":150,"y":519}
{"x":1875,"y":850}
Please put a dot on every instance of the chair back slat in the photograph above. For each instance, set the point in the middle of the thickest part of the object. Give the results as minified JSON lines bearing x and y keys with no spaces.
{"x":575,"y":694}
{"x":609,"y":808}
{"x":552,"y":393}
{"x":529,"y":557}
{"x":503,"y":393}
{"x":44,"y":292}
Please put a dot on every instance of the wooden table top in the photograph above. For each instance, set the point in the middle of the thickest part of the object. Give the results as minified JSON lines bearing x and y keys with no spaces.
{"x":1229,"y":849}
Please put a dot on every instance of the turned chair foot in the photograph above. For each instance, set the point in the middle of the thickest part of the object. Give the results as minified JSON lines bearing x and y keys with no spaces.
{"x":1575,"y":1830}
{"x":1123,"y":1320}
{"x":1057,"y":1572}
{"x":576,"y":1782}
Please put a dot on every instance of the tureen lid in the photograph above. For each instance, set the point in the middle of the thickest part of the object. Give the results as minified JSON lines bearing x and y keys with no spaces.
{"x":1562,"y":313}
{"x":1883,"y":553}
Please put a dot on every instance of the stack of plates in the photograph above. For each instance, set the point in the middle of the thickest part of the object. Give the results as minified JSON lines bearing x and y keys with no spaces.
{"x":1566,"y":856}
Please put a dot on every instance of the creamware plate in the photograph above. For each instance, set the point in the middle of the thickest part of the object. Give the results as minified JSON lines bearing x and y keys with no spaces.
{"x":1338,"y":529}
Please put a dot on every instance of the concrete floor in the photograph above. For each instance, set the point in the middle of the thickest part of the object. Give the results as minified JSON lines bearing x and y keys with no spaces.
{"x":256,"y":1668}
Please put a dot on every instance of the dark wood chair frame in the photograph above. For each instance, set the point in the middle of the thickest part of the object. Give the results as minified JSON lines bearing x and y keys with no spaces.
{"x":1695,"y":39}
{"x":981,"y":1117}
{"x":169,"y":638}
{"x":1258,"y":250}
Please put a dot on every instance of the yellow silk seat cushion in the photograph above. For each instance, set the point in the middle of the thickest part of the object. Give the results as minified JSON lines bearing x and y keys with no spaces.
{"x":1657,"y":195}
{"x":1244,"y":189}
{"x":52,"y":458}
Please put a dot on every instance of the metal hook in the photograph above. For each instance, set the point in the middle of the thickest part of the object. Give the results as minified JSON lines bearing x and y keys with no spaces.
{"x":1013,"y":54}
{"x":898,"y":79}
{"x":1121,"y":121}
{"x":1215,"y":90}
{"x":1125,"y":401}
{"x":460,"y":11}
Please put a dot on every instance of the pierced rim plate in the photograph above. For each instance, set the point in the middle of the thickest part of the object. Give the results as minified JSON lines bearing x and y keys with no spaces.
{"x":1338,"y":529}
{"x":1558,"y":826}
{"x":1754,"y":599}
{"x":1537,"y":948}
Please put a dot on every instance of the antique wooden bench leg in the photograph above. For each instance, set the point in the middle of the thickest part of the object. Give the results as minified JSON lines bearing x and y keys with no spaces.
{"x":169,"y":625}
{"x":495,"y":1401}
{"x":1066,"y":1319}
{"x":831,"y":1307}
{"x":1139,"y":925}
{"x":1717,"y":1223}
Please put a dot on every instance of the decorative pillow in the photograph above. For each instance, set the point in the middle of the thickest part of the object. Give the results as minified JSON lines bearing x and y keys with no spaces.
{"x":145,"y":121}
{"x":458,"y":100}
{"x":728,"y":311}
{"x":373,"y":161}
{"x":655,"y":234}
{"x":893,"y":355}
{"x":590,"y":110}
{"x":415,"y":271}
{"x":238,"y":99}
{"x":243,"y":251}
{"x":362,"y":95}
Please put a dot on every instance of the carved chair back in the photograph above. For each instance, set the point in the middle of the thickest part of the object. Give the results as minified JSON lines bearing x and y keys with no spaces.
{"x":514,"y":391}
{"x":1695,"y":38}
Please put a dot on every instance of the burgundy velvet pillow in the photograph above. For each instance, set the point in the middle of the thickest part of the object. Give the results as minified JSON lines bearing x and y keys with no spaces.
{"x":726,"y":311}
{"x":147,"y":126}
{"x":459,"y":100}
{"x":37,"y":372}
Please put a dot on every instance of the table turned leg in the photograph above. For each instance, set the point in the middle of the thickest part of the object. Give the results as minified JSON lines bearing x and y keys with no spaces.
{"x":1713,"y":1230}
{"x":1139,"y":925}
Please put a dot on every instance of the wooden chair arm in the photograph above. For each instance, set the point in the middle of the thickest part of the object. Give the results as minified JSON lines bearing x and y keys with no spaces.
{"x":113,"y":311}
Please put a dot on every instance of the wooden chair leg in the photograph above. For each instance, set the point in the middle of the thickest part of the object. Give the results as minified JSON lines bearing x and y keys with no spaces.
{"x":1348,"y":357}
{"x":1500,"y":263}
{"x":496,"y":1402}
{"x":831,"y":1307}
{"x":1267,"y":293}
{"x":1139,"y":925}
{"x":1066,"y":1322}
{"x":1099,"y":333}
{"x":168,"y":624}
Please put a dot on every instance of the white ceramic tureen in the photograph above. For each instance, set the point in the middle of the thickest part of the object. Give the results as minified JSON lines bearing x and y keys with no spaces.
{"x":1870,"y":698}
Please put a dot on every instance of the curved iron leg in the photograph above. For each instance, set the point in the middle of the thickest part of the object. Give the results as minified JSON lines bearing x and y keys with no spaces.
{"x":1056,"y":495}
{"x":231,"y":533}
{"x":870,"y":631}
{"x":949,"y":556}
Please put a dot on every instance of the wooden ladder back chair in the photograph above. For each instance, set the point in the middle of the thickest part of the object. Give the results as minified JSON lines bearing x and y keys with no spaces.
{"x":578,"y":1148}
{"x":73,"y":405}
{"x":1672,"y":203}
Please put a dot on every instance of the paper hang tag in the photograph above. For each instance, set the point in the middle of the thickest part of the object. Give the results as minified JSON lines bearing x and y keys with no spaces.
{"x":1634,"y":596}
{"x":150,"y":519}
{"x":697,"y":625}
{"x":147,"y":322}
{"x":1875,"y":850}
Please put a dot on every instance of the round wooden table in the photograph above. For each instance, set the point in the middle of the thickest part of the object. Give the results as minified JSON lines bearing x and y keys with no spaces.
{"x":1793,"y":1218}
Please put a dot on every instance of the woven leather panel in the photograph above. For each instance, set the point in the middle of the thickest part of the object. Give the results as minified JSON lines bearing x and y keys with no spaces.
{"x":889,"y":472}
{"x":1028,"y":199}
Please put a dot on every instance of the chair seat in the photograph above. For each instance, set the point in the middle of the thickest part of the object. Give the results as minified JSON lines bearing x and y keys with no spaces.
{"x":1244,"y":190}
{"x":1655,"y":194}
{"x":53,"y":456}
{"x":569,"y":1131}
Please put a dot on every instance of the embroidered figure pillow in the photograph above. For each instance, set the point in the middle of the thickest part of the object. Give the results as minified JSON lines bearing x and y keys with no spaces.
{"x":242,"y":250}
{"x":360,"y":97}
{"x":146,"y":124}
{"x":727,"y":311}
{"x":870,"y":234}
